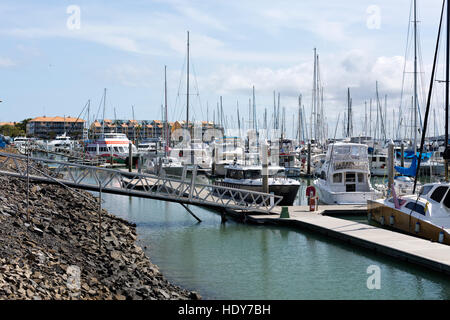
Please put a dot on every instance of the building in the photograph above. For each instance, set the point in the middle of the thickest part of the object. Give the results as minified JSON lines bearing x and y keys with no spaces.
{"x":50,"y":127}
{"x":138,"y":130}
{"x":12,"y":124}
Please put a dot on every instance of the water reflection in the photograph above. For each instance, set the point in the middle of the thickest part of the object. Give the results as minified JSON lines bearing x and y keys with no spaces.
{"x":238,"y":261}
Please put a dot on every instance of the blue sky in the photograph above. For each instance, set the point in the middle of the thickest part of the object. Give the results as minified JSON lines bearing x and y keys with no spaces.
{"x":48,"y":69}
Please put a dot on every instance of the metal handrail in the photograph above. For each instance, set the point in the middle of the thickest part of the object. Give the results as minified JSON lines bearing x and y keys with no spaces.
{"x":160,"y":187}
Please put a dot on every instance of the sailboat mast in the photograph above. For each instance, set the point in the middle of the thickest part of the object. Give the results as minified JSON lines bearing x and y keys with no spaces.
{"x":166,"y":123}
{"x":187,"y":84}
{"x":415,"y":77}
{"x":104,"y":106}
{"x":447,"y":85}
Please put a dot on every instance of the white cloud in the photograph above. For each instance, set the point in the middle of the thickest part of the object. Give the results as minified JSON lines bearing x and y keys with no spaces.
{"x":131,"y":75}
{"x":6,"y":62}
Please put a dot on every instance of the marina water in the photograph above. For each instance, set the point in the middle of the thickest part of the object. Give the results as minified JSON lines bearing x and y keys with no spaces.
{"x":239,"y":261}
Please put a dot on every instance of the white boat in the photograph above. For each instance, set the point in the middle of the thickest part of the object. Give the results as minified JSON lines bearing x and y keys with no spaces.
{"x":250,"y":178}
{"x":20,"y":143}
{"x":60,"y":143}
{"x":225,"y":152}
{"x":115,"y":145}
{"x":378,"y":165}
{"x":148,"y":146}
{"x":196,"y":154}
{"x":426,"y":215}
{"x":345,"y":177}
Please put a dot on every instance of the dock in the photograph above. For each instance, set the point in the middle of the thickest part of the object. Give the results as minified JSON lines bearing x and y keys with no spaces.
{"x":398,"y":245}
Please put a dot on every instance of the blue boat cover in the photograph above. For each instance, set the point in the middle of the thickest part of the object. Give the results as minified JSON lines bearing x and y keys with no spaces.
{"x":410,"y":155}
{"x":411,"y":171}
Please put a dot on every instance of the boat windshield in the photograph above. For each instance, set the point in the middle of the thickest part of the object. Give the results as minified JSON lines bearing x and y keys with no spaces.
{"x":349,"y":152}
{"x":252,"y":174}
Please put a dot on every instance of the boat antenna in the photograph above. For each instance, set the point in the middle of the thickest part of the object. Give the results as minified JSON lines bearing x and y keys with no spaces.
{"x":431,"y":90}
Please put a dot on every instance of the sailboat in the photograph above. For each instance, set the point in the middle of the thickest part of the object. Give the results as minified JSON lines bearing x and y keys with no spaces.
{"x":426,"y":215}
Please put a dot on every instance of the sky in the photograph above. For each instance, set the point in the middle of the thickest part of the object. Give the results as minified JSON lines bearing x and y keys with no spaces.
{"x":57,"y":55}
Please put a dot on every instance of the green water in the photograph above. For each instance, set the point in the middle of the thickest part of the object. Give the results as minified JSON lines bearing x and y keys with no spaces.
{"x":239,"y":261}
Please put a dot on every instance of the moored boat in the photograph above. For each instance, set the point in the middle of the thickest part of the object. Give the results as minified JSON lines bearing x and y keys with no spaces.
{"x":345,"y":177}
{"x":250,"y":178}
{"x":426,"y":215}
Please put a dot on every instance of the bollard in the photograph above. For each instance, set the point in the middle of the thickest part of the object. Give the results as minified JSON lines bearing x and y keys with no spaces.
{"x":284,"y":213}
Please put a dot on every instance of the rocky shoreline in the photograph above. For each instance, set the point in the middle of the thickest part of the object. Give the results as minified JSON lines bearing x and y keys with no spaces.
{"x":56,"y":254}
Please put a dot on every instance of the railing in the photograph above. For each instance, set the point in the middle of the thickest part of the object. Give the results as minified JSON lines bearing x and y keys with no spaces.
{"x":136,"y":184}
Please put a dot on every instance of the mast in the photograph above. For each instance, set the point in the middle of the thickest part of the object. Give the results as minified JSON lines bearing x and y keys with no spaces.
{"x":166,"y":123}
{"x":415,"y":78}
{"x":187,"y":85}
{"x":447,"y":86}
{"x":314,"y":103}
{"x":431,"y":88}
{"x":103,"y":121}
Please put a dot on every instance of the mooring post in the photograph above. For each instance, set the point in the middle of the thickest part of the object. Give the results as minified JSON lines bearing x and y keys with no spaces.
{"x":308,"y":171}
{"x":213,"y":167}
{"x":265,"y":169}
{"x":130,"y":157}
{"x":390,"y":164}
{"x":402,"y":157}
{"x":223,"y":217}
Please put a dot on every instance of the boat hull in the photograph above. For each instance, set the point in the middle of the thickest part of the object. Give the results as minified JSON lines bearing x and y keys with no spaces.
{"x":381,"y":214}
{"x":288,"y":192}
{"x":329,"y":197}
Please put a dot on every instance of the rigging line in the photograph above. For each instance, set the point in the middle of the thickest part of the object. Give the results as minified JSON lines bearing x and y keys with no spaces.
{"x":76,"y":121}
{"x":196,"y":85}
{"x":404,"y":64}
{"x":99,"y":106}
{"x":178,"y":116}
{"x":433,"y":72}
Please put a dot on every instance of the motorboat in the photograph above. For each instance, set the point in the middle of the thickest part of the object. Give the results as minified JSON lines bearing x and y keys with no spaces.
{"x":426,"y":214}
{"x":111,"y":145}
{"x":344,"y":176}
{"x":60,"y":143}
{"x":378,"y":164}
{"x":250,"y":178}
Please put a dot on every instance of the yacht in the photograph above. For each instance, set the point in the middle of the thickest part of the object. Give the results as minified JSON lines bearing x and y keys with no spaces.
{"x":378,"y":165}
{"x":344,"y":176}
{"x":426,"y":215}
{"x":148,"y":146}
{"x":60,"y":143}
{"x":225,"y":152}
{"x":21,"y":143}
{"x":250,"y":178}
{"x":115,"y":145}
{"x":196,"y":154}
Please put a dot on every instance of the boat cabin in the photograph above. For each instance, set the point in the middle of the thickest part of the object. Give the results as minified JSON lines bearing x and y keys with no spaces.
{"x":346,"y":168}
{"x":252,"y":172}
